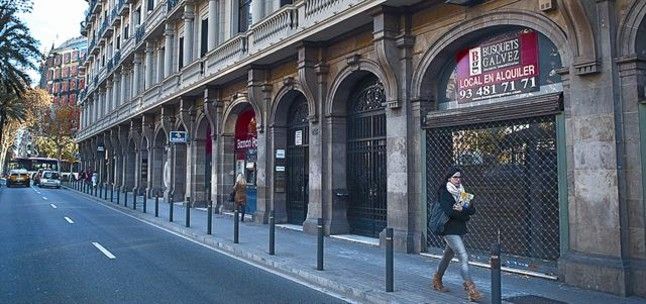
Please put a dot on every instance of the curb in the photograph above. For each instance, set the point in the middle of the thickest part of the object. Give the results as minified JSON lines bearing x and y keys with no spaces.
{"x":305,"y":274}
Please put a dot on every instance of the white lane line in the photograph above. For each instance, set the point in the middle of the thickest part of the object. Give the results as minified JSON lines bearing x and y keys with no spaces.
{"x":249,"y":262}
{"x":53,"y":206}
{"x":44,"y":198}
{"x":69,"y":220}
{"x":105,"y":251}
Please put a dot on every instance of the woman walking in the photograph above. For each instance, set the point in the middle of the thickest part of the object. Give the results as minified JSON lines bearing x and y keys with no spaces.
{"x":454,"y":202}
{"x":240,"y":189}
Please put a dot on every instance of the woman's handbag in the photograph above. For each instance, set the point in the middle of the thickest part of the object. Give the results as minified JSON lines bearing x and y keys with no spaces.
{"x":438,"y":219}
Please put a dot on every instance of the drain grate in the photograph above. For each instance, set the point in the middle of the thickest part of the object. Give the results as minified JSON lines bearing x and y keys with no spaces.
{"x":532,"y":299}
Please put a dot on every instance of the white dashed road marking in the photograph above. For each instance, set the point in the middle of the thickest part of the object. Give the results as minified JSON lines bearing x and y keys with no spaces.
{"x":53,"y":206}
{"x":105,"y":251}
{"x":69,"y":220}
{"x":44,"y":198}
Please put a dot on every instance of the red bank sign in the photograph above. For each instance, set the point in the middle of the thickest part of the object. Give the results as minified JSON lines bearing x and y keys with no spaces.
{"x":502,"y":67}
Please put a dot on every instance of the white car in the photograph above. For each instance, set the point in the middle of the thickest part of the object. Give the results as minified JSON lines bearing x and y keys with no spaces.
{"x":50,"y":179}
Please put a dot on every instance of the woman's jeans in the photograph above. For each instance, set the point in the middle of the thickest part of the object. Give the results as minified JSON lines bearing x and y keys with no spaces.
{"x":454,"y":244}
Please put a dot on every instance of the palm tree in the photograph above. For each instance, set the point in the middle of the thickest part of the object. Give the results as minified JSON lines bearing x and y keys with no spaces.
{"x":18,"y":49}
{"x":11,"y":108}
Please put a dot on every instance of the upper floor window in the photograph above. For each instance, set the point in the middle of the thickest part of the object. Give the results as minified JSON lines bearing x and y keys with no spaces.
{"x":244,"y":15}
{"x":126,"y":31}
{"x":204,"y":39}
{"x":151,"y":5}
{"x":181,"y":53}
{"x":286,"y":2}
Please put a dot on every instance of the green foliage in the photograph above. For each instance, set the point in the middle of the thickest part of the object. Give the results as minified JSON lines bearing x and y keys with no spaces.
{"x":18,"y":49}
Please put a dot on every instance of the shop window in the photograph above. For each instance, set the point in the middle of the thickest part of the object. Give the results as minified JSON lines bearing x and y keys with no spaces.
{"x":505,"y":65}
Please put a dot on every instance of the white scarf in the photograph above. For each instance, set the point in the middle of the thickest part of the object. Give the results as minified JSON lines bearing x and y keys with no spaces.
{"x":455,"y":191}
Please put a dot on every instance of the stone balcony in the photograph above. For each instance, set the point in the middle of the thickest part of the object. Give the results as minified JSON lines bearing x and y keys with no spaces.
{"x":288,"y":25}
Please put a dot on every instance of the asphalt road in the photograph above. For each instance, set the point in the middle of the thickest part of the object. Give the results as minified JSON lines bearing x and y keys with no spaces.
{"x":50,"y":244}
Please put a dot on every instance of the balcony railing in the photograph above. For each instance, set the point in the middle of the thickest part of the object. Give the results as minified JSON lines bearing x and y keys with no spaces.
{"x":278,"y":26}
{"x":110,"y":64}
{"x":227,"y":53}
{"x":117,"y":57}
{"x":139,"y":34}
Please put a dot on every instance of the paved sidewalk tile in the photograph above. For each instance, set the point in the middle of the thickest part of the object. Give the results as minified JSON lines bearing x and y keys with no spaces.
{"x":356,"y":270}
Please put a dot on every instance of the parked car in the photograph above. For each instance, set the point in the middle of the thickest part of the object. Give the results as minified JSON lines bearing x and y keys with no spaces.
{"x":50,"y":179}
{"x":18,"y":177}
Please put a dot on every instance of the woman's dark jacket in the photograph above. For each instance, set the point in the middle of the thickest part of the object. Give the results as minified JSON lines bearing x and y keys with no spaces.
{"x":457,"y":224}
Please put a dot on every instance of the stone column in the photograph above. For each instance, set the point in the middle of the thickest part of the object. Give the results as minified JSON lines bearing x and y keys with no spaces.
{"x":123,"y":85}
{"x":213,"y":24}
{"x":131,"y":29}
{"x":257,"y":10}
{"x":168,"y":50}
{"x":136,"y":72}
{"x":160,"y":65}
{"x":148,"y":68}
{"x":189,"y":15}
{"x":115,"y":89}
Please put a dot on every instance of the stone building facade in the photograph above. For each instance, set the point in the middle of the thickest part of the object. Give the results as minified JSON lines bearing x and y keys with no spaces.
{"x":350,"y":111}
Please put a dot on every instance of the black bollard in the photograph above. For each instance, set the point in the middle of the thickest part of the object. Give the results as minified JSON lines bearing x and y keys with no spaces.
{"x":236,"y":226}
{"x":105,"y":192}
{"x":157,"y":205}
{"x":145,"y":200}
{"x":272,"y":233}
{"x":389,"y":260}
{"x":170,"y":210}
{"x":96,"y":189}
{"x":188,"y":211}
{"x":125,"y":198}
{"x":112,"y":194}
{"x":495,"y":274}
{"x":319,"y":249}
{"x":209,"y":216}
{"x":134,"y":200}
{"x":118,"y":196}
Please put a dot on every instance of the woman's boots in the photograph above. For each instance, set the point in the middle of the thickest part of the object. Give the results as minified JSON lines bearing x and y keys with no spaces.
{"x":472,"y":293}
{"x":437,"y":283}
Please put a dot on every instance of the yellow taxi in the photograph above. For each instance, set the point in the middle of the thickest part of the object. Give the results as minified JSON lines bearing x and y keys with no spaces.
{"x":18,"y":177}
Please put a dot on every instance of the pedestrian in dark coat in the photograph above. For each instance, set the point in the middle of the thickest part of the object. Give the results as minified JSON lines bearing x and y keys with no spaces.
{"x":455,"y":203}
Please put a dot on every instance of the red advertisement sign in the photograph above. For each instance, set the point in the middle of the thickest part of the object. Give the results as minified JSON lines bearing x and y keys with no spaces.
{"x":507,"y":65}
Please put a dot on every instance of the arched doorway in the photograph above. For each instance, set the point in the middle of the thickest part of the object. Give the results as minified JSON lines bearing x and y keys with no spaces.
{"x":143,"y":168}
{"x":202,"y":174}
{"x":297,"y":169}
{"x":245,"y":153}
{"x":366,"y":157}
{"x":498,"y":121}
{"x":179,"y":170}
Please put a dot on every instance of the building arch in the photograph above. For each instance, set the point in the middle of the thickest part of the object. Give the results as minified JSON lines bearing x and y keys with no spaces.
{"x":286,"y":93}
{"x":239,"y":102}
{"x":427,"y":70}
{"x":631,"y":27}
{"x":348,"y":77}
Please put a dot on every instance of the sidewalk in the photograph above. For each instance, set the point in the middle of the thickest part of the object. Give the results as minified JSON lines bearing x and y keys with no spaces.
{"x":356,"y":271}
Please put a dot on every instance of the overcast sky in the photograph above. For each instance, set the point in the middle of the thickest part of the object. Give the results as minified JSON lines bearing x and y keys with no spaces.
{"x":54,"y":21}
